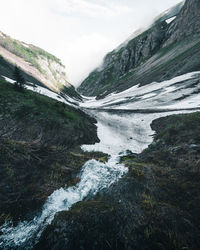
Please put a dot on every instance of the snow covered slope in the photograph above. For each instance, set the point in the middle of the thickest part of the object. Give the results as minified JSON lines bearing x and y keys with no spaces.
{"x":169,"y":48}
{"x":72,"y":101}
{"x":182,"y":92}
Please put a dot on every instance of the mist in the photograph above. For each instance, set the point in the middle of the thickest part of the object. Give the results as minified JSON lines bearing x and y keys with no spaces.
{"x":79,"y":32}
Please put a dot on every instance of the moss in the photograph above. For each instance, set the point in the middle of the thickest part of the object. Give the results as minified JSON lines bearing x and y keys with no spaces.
{"x":168,"y":239}
{"x":103,"y":159}
{"x":94,"y":204}
{"x":176,"y":128}
{"x":148,"y":203}
{"x":137,"y":172}
{"x":39,"y":148}
{"x":128,"y":158}
{"x":4,"y":218}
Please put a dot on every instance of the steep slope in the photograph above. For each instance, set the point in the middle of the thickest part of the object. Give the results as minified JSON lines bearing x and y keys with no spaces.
{"x":167,"y":49}
{"x":181,"y":92}
{"x":39,"y":66}
{"x":39,"y":149}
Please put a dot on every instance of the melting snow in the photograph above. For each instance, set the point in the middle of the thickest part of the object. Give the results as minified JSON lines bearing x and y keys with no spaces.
{"x":180,"y":92}
{"x":118,"y":132}
{"x":44,"y":91}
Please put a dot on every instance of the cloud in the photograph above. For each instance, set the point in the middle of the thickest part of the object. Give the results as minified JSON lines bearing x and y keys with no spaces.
{"x":89,"y":8}
{"x":79,"y":32}
{"x":85,"y":54}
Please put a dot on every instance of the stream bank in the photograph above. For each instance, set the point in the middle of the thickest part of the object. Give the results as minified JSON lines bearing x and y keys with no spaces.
{"x":40,"y":141}
{"x":94,"y":207}
{"x":155,"y":206}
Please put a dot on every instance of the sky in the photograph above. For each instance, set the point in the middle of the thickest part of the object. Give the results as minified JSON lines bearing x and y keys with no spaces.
{"x":79,"y":32}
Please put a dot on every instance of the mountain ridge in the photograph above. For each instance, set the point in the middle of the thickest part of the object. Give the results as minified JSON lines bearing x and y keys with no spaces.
{"x":38,"y":66}
{"x":162,"y":52}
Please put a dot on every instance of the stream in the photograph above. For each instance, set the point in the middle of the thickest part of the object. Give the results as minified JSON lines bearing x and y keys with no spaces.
{"x":118,"y":132}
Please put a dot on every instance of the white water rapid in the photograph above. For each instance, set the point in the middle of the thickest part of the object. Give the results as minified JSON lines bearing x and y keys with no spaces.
{"x":94,"y":176}
{"x":117,"y":133}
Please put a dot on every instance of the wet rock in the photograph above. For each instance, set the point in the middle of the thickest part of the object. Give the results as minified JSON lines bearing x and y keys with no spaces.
{"x":193,"y":146}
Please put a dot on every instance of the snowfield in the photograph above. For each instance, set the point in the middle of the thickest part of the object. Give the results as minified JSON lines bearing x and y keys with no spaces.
{"x":44,"y":91}
{"x":181,"y":92}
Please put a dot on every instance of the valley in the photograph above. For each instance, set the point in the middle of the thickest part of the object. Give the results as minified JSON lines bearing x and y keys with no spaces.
{"x":113,"y":164}
{"x":124,"y":136}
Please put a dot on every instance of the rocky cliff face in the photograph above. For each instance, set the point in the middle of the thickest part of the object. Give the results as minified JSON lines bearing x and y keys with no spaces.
{"x":165,"y":50}
{"x":186,"y":24}
{"x":39,"y":66}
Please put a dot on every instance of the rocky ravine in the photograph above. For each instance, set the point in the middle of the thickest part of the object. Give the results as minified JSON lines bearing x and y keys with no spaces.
{"x":161,"y":52}
{"x":155,"y":206}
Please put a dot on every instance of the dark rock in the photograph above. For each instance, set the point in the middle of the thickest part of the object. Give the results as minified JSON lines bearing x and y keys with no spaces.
{"x":160,"y":53}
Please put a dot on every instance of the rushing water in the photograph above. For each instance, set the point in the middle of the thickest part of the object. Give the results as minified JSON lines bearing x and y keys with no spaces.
{"x":94,"y":176}
{"x":117,"y":134}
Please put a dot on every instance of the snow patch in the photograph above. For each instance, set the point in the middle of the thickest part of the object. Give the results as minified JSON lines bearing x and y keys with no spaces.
{"x":44,"y":91}
{"x":170,"y":20}
{"x":179,"y":92}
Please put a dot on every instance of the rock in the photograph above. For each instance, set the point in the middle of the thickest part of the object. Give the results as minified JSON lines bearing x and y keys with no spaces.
{"x":159,"y":53}
{"x":193,"y":146}
{"x":66,"y":169}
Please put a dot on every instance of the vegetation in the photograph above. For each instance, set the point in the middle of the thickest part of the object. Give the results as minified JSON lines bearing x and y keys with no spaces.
{"x":178,"y":130}
{"x":29,"y":116}
{"x":37,"y":108}
{"x":20,"y":81}
{"x":28,"y":52}
{"x":39,"y":149}
{"x":155,"y":206}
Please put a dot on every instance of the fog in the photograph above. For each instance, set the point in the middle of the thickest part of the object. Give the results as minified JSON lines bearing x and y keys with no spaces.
{"x":79,"y":32}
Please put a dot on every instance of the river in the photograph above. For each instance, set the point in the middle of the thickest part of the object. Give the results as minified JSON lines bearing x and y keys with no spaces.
{"x":118,"y":133}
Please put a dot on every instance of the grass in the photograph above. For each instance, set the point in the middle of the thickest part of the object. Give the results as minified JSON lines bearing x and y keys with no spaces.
{"x":28,"y":114}
{"x":36,"y":58}
{"x":39,"y":148}
{"x":177,"y":129}
{"x":31,"y":54}
{"x":27,"y":103}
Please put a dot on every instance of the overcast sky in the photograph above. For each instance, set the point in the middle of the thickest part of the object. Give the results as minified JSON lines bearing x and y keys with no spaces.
{"x":79,"y":32}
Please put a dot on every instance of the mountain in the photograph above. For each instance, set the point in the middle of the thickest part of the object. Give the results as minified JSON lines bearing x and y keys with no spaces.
{"x":170,"y":47}
{"x":38,"y":66}
{"x":39,"y":139}
{"x":181,"y":92}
